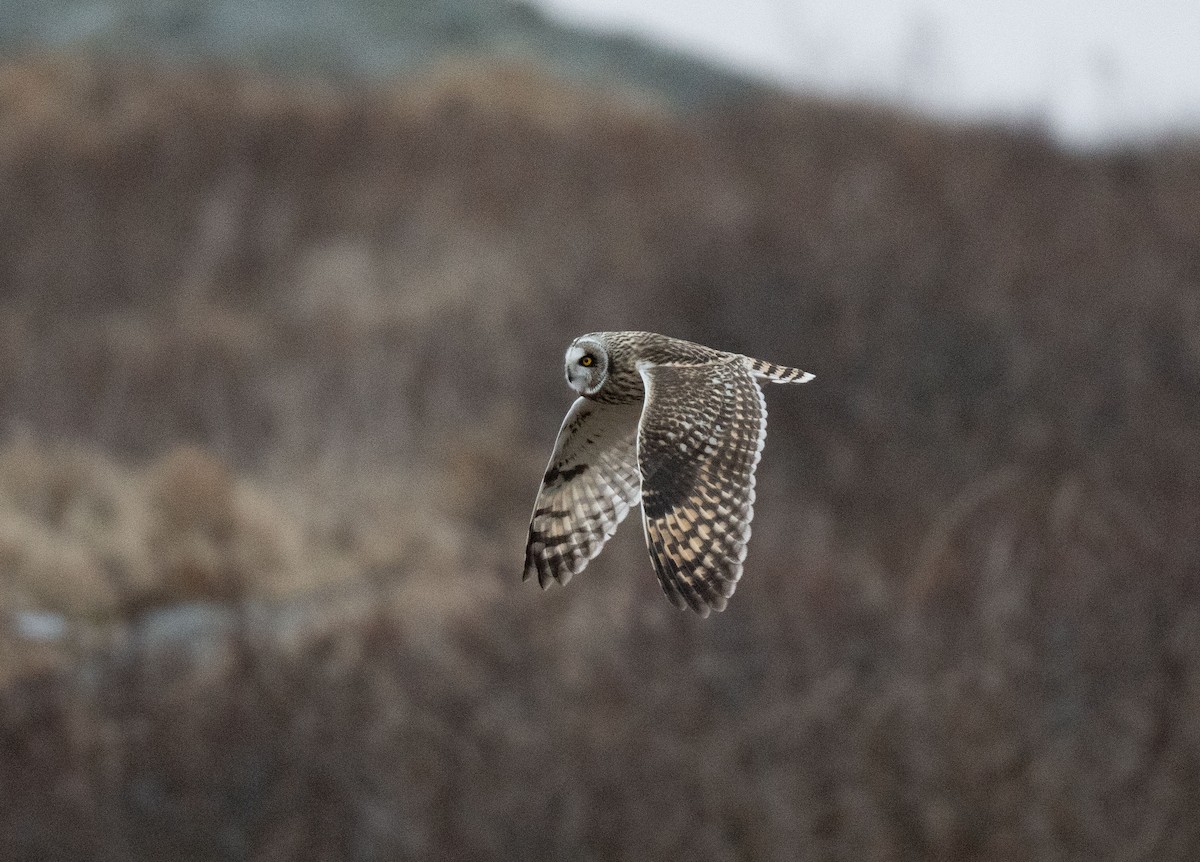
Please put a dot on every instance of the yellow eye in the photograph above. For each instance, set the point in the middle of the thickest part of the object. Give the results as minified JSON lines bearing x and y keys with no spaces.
{"x":587,"y":361}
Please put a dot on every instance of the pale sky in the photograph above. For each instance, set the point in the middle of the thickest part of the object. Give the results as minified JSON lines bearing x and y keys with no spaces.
{"x":1091,"y":71}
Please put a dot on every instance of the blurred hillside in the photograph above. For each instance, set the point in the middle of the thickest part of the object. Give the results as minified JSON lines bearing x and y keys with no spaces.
{"x":280,"y":371}
{"x":360,"y":39}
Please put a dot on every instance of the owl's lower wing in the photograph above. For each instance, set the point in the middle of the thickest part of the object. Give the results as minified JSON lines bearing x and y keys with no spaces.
{"x":590,"y":484}
{"x":699,"y":439}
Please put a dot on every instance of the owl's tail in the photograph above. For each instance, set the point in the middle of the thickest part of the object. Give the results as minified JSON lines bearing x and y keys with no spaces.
{"x":777,"y":373}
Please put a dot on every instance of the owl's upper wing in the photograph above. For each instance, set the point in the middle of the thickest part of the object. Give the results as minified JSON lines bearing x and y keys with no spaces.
{"x":699,"y":439}
{"x":590,"y":484}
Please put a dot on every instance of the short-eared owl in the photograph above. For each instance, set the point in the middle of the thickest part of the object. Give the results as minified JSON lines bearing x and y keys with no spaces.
{"x":676,"y":425}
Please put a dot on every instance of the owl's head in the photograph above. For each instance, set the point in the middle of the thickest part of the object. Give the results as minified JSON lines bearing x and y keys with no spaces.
{"x":587,"y":364}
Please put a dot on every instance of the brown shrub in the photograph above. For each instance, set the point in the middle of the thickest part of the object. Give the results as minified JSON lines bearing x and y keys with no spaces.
{"x":85,"y":537}
{"x":67,"y":524}
{"x":191,"y":500}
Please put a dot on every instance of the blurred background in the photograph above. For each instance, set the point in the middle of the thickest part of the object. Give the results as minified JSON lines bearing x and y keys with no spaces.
{"x":284,"y":291}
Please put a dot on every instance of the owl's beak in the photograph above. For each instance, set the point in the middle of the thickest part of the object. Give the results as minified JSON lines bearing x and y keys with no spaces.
{"x":577,"y":377}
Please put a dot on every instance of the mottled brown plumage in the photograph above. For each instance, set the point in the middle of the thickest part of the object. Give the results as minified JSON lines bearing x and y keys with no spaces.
{"x":676,"y":425}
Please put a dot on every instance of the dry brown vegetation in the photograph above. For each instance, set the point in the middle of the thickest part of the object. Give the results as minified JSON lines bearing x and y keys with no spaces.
{"x":279,"y":369}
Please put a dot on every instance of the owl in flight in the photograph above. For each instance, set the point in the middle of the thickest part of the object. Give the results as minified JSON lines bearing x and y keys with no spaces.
{"x":675,"y":425}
